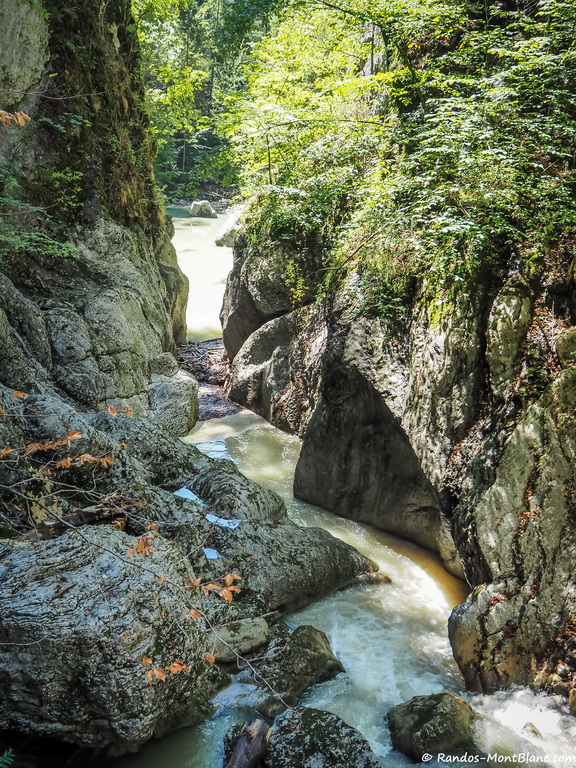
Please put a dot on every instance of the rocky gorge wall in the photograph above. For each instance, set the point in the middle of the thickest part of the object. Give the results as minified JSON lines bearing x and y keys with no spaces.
{"x":452,"y":426}
{"x":92,"y":297}
{"x":107,"y":636}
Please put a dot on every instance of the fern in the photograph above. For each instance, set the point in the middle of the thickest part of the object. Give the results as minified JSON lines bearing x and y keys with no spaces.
{"x":7,"y":759}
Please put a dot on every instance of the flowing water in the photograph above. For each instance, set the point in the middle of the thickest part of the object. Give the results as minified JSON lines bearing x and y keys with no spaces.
{"x":206,"y":266}
{"x":391,"y":638}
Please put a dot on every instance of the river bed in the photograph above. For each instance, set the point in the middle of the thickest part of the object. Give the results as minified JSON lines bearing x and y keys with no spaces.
{"x":391,"y":638}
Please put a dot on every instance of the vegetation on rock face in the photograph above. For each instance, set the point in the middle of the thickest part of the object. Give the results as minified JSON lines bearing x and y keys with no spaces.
{"x":413,"y":138}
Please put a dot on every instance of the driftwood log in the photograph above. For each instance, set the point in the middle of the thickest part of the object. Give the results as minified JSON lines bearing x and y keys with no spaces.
{"x":251,"y":745}
{"x":49,"y":529}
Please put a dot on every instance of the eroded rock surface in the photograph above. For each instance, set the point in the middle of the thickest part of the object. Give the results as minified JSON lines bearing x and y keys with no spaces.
{"x":450,"y":425}
{"x":85,"y":615}
{"x":310,"y":738}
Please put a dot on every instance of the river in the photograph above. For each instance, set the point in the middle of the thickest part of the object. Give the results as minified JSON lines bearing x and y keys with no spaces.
{"x":391,"y":638}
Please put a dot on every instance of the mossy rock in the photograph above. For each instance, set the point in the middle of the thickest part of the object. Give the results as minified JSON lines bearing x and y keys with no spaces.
{"x":309,"y":738}
{"x":431,"y":724}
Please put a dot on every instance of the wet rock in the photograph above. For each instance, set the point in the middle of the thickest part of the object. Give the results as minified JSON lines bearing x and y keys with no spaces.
{"x":572,"y":701}
{"x":77,"y":616}
{"x":357,"y":461}
{"x":370,"y":579}
{"x":309,"y":738}
{"x":202,"y":209}
{"x":285,"y":567}
{"x":240,"y":637}
{"x":294,"y":662}
{"x":432,"y":724}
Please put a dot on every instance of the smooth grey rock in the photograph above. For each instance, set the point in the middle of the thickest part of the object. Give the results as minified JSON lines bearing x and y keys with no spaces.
{"x":202,"y":209}
{"x":445,"y":723}
{"x":174,"y":401}
{"x":309,"y":738}
{"x":240,"y":637}
{"x":357,"y":461}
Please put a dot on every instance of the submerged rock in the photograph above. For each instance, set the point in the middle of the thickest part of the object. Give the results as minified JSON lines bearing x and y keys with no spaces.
{"x":309,"y":738}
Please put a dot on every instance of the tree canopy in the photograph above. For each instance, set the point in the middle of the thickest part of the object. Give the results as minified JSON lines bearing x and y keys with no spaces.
{"x":399,"y":137}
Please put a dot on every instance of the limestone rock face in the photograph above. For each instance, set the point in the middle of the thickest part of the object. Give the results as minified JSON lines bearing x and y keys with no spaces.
{"x":277,"y":372}
{"x":451,"y":426}
{"x":323,"y":381}
{"x":509,"y":320}
{"x":202,"y":209}
{"x":520,"y":622}
{"x":310,"y":738}
{"x":87,"y":326}
{"x":256,"y":291}
{"x":74,"y":638}
{"x":78,"y":613}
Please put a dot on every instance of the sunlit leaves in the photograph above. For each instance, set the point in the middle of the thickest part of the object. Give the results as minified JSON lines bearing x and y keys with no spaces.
{"x":19,"y":118}
{"x":153,"y":673}
{"x":143,"y":547}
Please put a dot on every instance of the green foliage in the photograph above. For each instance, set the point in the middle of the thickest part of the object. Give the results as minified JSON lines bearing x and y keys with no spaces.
{"x":193,"y":60}
{"x":30,"y":229}
{"x":411,"y":139}
{"x":7,"y":759}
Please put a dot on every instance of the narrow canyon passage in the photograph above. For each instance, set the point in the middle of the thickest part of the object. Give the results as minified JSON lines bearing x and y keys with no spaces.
{"x":391,"y":637}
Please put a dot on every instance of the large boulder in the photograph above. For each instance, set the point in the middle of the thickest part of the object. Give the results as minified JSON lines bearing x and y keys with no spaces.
{"x":84,"y":616}
{"x":291,"y":664}
{"x":174,"y":401}
{"x":256,"y":291}
{"x":79,"y":620}
{"x":309,"y":738}
{"x":432,"y":724}
{"x":202,"y":209}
